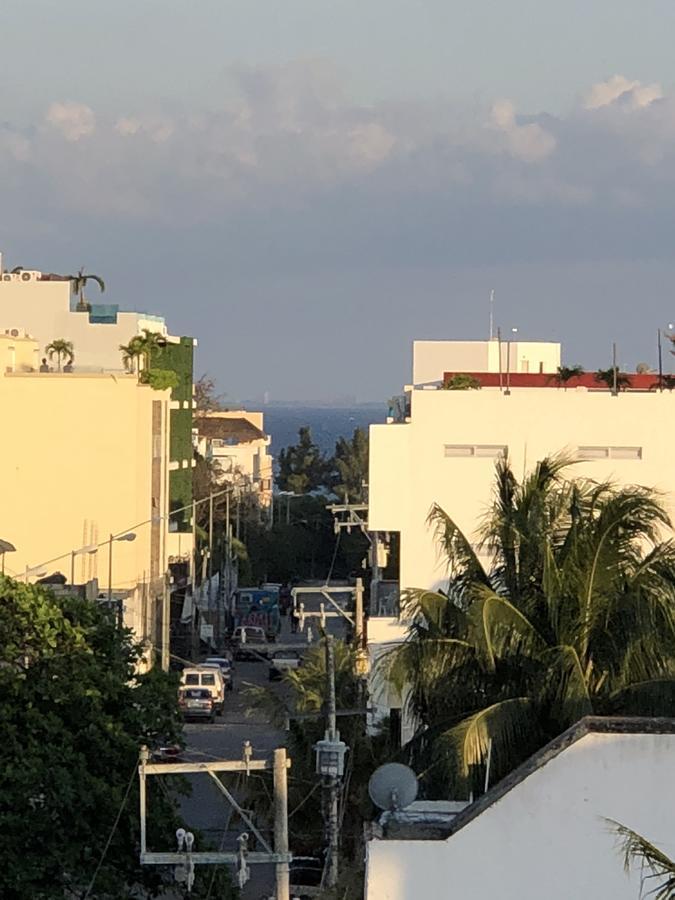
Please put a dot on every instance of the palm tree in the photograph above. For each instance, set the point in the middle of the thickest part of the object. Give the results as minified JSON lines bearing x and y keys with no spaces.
{"x":660,"y":867}
{"x":62,"y":349}
{"x":606,"y":376}
{"x":137,"y":354}
{"x":564,"y":374}
{"x":576,"y":614}
{"x":78,"y":284}
{"x":132,"y":353}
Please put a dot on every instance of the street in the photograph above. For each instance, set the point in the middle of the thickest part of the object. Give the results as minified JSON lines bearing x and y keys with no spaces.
{"x":206,"y":809}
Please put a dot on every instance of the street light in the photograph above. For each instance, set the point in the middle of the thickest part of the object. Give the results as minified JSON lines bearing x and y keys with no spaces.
{"x":5,"y":547}
{"x":91,"y":548}
{"x":514,"y":331}
{"x":129,"y":536}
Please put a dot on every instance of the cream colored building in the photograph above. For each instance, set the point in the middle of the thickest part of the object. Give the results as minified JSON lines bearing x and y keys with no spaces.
{"x":84,"y":456}
{"x":236,"y":441}
{"x":47,"y":310}
{"x":18,"y":351}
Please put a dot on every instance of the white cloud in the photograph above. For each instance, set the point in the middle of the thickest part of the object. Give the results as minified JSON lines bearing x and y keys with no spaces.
{"x":73,"y":120}
{"x":529,"y":143}
{"x":620,"y":90}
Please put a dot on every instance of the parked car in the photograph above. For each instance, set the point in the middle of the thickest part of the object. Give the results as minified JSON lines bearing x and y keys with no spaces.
{"x":250,"y":642}
{"x":283,"y":661}
{"x":210,"y":678}
{"x":226,"y":669}
{"x":197,"y":703}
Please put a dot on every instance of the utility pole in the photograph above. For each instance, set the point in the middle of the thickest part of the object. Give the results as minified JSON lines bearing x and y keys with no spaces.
{"x":281,"y":823}
{"x":375,"y":569}
{"x":166,"y":624}
{"x":193,"y":578}
{"x":332,"y":781}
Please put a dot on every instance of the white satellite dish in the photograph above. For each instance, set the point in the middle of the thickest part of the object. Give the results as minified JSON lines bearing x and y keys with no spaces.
{"x":393,"y":786}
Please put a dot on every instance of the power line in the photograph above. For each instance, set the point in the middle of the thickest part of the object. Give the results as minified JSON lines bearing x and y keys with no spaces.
{"x":112,"y":832}
{"x":332,"y":564}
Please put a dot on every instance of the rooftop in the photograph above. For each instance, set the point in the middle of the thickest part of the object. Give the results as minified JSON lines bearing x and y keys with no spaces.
{"x":633,"y":381}
{"x":233,"y":431}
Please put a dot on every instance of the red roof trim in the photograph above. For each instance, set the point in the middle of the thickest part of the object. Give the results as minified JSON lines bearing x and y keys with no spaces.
{"x":638,"y":382}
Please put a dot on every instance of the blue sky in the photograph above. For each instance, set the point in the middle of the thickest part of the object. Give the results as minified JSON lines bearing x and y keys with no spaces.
{"x":308,"y":186}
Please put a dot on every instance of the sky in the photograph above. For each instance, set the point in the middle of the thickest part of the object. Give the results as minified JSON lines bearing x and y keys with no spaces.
{"x":308,"y":186}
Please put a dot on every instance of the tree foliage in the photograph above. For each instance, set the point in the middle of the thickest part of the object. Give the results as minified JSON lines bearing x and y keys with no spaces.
{"x":159,"y":379}
{"x":73,"y":715}
{"x":302,"y":466}
{"x":61,"y":349}
{"x":206,"y":397}
{"x":575,"y":614}
{"x":607,"y":376}
{"x":350,"y":467}
{"x":461,"y":382}
{"x":657,"y":870}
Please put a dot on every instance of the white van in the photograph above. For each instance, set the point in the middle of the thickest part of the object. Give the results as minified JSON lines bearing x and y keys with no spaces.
{"x":209,"y":678}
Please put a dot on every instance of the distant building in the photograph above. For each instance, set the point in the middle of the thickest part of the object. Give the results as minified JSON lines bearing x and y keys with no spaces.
{"x":441,"y":446}
{"x":85,"y":455}
{"x":542,"y":831}
{"x":236,"y":442}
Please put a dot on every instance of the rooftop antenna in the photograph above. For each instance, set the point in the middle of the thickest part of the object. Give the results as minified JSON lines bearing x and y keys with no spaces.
{"x":492,"y":311}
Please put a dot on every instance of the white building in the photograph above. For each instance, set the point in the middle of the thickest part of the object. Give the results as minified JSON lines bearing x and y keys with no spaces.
{"x":542,"y":831}
{"x":236,"y":441}
{"x":45,"y":307}
{"x":445,"y":443}
{"x":440,"y":447}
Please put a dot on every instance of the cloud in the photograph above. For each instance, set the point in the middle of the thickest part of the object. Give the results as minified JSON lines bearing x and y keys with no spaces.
{"x":73,"y":120}
{"x":620,"y":90}
{"x":286,"y":144}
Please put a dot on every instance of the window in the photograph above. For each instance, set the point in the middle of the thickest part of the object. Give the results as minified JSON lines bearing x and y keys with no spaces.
{"x":486,"y":451}
{"x":192,"y":679}
{"x":609,"y":453}
{"x":208,"y":680}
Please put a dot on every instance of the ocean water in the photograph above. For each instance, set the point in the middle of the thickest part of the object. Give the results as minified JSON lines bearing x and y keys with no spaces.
{"x":327,"y":423}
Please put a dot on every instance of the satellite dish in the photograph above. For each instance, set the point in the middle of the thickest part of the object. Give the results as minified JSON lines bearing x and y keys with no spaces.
{"x":393,"y":786}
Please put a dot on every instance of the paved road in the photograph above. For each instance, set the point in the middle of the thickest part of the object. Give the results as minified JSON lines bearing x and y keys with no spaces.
{"x":206,"y":808}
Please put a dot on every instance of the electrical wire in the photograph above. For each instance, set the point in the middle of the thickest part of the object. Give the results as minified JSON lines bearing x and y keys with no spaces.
{"x":112,"y":832}
{"x":332,"y":564}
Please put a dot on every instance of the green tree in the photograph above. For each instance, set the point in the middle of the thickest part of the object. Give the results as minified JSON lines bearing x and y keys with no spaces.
{"x":302,"y":466}
{"x":132,"y":354}
{"x":574,"y":616}
{"x":78,"y":283}
{"x":350,"y":464}
{"x":74,"y":712}
{"x":305,"y":694}
{"x":565,"y":374}
{"x":61,"y":349}
{"x":461,"y":382}
{"x":606,"y":376}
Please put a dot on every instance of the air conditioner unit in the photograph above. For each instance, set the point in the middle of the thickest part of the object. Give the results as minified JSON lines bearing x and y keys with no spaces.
{"x":14,"y":332}
{"x":29,"y":275}
{"x":8,"y":277}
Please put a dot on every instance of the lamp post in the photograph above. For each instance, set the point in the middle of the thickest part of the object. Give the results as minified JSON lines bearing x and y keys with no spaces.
{"x":129,"y":536}
{"x":91,"y":548}
{"x":5,"y":547}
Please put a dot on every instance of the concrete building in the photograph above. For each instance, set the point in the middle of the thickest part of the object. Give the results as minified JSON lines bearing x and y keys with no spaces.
{"x":443,"y":447}
{"x":542,"y":831}
{"x":440,"y":446}
{"x":236,"y":441}
{"x":84,"y":456}
{"x":44,"y":307}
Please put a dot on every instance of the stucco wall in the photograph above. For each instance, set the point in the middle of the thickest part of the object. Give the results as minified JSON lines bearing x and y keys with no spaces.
{"x":432,"y":358}
{"x":43,"y":309}
{"x":76,"y":465}
{"x":546,"y":838}
{"x":409,"y":470}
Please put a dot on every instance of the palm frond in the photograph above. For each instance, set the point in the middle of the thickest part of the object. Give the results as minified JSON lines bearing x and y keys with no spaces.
{"x":437,"y":612}
{"x":565,"y":688}
{"x":655,"y":697}
{"x":500,"y":629}
{"x":637,"y":849}
{"x":464,"y":565}
{"x":506,"y":727}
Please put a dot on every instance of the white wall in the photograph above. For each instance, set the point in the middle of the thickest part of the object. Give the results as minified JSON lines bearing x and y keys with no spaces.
{"x":42,"y":308}
{"x":432,"y":358}
{"x":547,"y":837}
{"x":409,"y":471}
